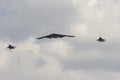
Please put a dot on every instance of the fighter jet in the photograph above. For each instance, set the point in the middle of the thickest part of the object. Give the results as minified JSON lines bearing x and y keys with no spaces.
{"x":100,"y":39}
{"x":11,"y":47}
{"x":55,"y":36}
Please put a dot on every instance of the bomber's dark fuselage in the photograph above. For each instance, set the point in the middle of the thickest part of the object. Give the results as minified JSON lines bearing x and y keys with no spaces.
{"x":55,"y":36}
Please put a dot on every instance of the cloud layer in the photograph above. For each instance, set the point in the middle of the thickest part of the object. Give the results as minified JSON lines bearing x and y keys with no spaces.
{"x":79,"y":58}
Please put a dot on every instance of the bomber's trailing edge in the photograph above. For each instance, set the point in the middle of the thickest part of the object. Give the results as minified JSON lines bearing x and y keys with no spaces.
{"x":55,"y":36}
{"x":11,"y":46}
{"x":100,"y":39}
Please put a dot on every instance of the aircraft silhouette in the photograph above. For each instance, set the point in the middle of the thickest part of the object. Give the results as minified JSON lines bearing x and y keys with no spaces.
{"x":55,"y":36}
{"x":100,"y":39}
{"x":11,"y":47}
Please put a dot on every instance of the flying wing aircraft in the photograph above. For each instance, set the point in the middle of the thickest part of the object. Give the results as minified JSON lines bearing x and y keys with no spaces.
{"x":55,"y":36}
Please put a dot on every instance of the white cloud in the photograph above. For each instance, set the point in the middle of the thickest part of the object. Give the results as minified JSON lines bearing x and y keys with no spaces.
{"x":78,"y":58}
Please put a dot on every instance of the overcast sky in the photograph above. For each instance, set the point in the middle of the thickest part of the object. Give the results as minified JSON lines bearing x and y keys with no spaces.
{"x":78,"y":58}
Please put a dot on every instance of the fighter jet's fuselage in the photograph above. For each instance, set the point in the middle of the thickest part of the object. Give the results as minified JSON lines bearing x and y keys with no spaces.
{"x":11,"y":47}
{"x":101,"y":39}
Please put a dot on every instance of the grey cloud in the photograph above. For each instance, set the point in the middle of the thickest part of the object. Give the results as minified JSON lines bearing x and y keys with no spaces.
{"x":93,"y":55}
{"x":32,"y":18}
{"x":39,"y":63}
{"x":99,"y":64}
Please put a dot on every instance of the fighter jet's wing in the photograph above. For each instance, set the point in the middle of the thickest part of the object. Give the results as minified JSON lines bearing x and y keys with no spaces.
{"x":104,"y":40}
{"x":101,"y":40}
{"x":97,"y":40}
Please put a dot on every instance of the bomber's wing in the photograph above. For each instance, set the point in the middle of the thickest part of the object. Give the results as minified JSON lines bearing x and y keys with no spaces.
{"x":69,"y":36}
{"x":41,"y":37}
{"x":55,"y":36}
{"x":61,"y":35}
